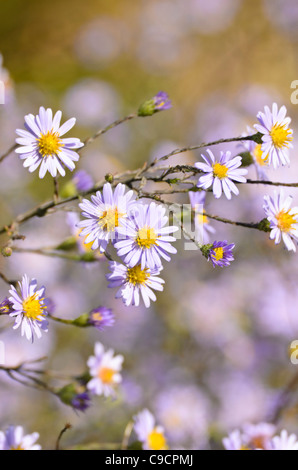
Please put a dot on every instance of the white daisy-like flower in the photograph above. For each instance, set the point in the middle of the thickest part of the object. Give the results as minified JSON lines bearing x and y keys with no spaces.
{"x":285,"y":441}
{"x":29,"y":308}
{"x":104,"y":369}
{"x":105,"y":213}
{"x":14,"y":439}
{"x":283,"y":219}
{"x":256,"y":152}
{"x":259,"y":436}
{"x":220,"y":173}
{"x":234,"y":441}
{"x":41,"y":144}
{"x":134,"y":283}
{"x":276,"y":135}
{"x":149,"y":434}
{"x":146,"y":237}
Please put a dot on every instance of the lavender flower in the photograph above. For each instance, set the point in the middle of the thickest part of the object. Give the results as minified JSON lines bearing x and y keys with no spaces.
{"x":219,"y":174}
{"x":82,"y":181}
{"x":221,"y":254}
{"x":41,"y":144}
{"x":276,"y":135}
{"x":134,"y":283}
{"x":6,"y":307}
{"x":104,"y":369}
{"x":81,"y":401}
{"x":13,"y":439}
{"x":202,"y":224}
{"x":283,"y":219}
{"x":105,"y":214}
{"x":29,"y":308}
{"x":159,"y":102}
{"x":146,"y":237}
{"x":101,"y":317}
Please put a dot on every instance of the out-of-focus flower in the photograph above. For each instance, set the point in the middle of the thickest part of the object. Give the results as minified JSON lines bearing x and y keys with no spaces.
{"x":145,"y":238}
{"x":283,"y":219}
{"x":285,"y":441}
{"x":276,"y":135}
{"x":234,"y":441}
{"x":160,"y":102}
{"x":219,"y":174}
{"x":256,"y":152}
{"x":134,"y":283}
{"x":202,"y":224}
{"x":221,"y":254}
{"x":6,"y":85}
{"x":14,"y":439}
{"x":6,"y":307}
{"x":149,"y":434}
{"x":82,"y":180}
{"x":41,"y":143}
{"x":81,"y":401}
{"x":101,"y":317}
{"x":29,"y":308}
{"x":104,"y":369}
{"x":105,"y":214}
{"x":258,"y":436}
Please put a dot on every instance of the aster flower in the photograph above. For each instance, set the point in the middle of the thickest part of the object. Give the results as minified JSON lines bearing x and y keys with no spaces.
{"x":14,"y":439}
{"x":283,"y":219}
{"x":41,"y":144}
{"x":234,"y":441}
{"x":81,"y":401}
{"x":146,"y":237}
{"x":258,"y":436}
{"x":202,"y":224}
{"x":276,"y":135}
{"x":104,"y":369}
{"x":160,"y":102}
{"x":105,"y":214}
{"x":221,"y":254}
{"x":134,"y":283}
{"x":73,"y":220}
{"x":101,"y":317}
{"x":6,"y":307}
{"x":219,"y":174}
{"x":29,"y":308}
{"x":149,"y":434}
{"x":285,"y":441}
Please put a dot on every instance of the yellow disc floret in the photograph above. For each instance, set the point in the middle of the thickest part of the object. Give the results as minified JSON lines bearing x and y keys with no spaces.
{"x":136,"y":275}
{"x":219,"y":252}
{"x":49,"y":144}
{"x":220,"y":171}
{"x":156,"y":440}
{"x":109,"y":219}
{"x":106,"y":375}
{"x":280,"y":136}
{"x":285,"y":221}
{"x":146,"y":237}
{"x":32,"y":307}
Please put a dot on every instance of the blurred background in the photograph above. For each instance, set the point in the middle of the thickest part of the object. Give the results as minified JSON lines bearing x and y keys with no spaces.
{"x":213,"y":352}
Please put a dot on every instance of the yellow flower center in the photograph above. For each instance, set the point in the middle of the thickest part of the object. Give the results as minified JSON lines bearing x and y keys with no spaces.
{"x":96,"y":316}
{"x":257,"y":152}
{"x":19,"y":447}
{"x":219,"y":252}
{"x":285,"y":221}
{"x":220,"y":171}
{"x":244,"y":448}
{"x":49,"y":144}
{"x":157,"y":441}
{"x":146,"y":237}
{"x":280,"y":136}
{"x":109,"y":219}
{"x":106,"y":375}
{"x":32,"y":307}
{"x":136,"y":275}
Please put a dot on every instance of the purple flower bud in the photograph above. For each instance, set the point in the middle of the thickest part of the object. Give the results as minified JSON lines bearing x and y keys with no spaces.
{"x":101,"y":317}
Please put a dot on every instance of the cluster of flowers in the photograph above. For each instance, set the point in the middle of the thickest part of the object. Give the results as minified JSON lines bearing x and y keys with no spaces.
{"x":220,"y":174}
{"x":260,"y":437}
